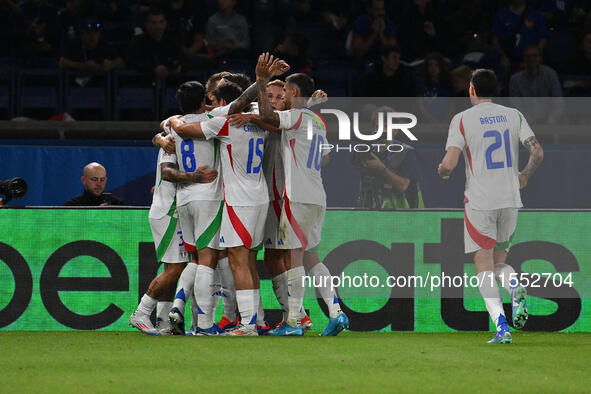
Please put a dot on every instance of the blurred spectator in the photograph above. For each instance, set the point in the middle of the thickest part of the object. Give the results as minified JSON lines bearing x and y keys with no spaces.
{"x":515,"y":28}
{"x":154,"y":52}
{"x":70,"y":17}
{"x":421,"y":30}
{"x":581,"y":63}
{"x":40,"y":28}
{"x":469,"y":27}
{"x":460,"y":80}
{"x":294,"y":51}
{"x":185,"y":26}
{"x":536,"y":80}
{"x":370,"y":32}
{"x":10,"y":13}
{"x":226,"y":31}
{"x":90,"y":52}
{"x":557,"y":13}
{"x":336,"y":13}
{"x":390,"y":78}
{"x":435,"y":81}
{"x":94,"y":179}
{"x":388,"y":177}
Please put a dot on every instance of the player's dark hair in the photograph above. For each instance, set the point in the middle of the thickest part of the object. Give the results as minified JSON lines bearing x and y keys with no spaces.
{"x":228,"y":91}
{"x":214,"y":79}
{"x":304,"y":83}
{"x":190,"y":96}
{"x":239,"y":79}
{"x":484,"y":81}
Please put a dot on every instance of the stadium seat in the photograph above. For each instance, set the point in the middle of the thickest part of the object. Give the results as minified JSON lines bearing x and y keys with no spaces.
{"x":96,"y":96}
{"x":336,"y":78}
{"x":135,"y":91}
{"x":40,"y":89}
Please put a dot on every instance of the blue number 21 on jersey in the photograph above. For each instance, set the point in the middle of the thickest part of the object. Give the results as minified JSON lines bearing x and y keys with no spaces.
{"x":498,"y":142}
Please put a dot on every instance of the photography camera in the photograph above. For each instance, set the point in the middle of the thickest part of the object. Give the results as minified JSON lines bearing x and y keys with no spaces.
{"x":12,"y":188}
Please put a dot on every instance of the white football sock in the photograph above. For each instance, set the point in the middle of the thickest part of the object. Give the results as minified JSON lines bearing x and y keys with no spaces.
{"x":505,"y":274}
{"x":295,"y":294}
{"x":185,"y":287}
{"x":163,"y":309}
{"x":247,"y":306}
{"x":280,"y":290}
{"x":260,"y":310}
{"x":491,"y":294}
{"x":228,"y":289}
{"x":216,"y":292}
{"x":327,"y":292}
{"x":203,"y":296}
{"x":147,"y":305}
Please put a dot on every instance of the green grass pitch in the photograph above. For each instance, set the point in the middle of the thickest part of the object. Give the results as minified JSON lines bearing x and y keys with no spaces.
{"x":89,"y":362}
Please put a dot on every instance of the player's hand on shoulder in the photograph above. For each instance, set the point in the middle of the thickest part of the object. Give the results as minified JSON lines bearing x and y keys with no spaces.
{"x":167,"y":143}
{"x":204,"y":174}
{"x":239,"y":120}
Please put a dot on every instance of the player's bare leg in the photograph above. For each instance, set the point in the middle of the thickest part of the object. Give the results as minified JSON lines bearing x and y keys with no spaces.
{"x":243,"y":264}
{"x":483,"y":259}
{"x":507,"y":276}
{"x":160,"y":289}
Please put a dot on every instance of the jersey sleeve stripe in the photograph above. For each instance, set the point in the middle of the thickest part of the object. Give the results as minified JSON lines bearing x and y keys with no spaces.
{"x":294,"y":224}
{"x":468,"y":154}
{"x":481,"y":240}
{"x":298,"y":123}
{"x":230,"y":154}
{"x":224,"y":130}
{"x":239,"y":227}
{"x":292,"y":146}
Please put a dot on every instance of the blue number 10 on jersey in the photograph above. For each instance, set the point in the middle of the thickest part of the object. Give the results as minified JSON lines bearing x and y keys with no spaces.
{"x":498,"y":142}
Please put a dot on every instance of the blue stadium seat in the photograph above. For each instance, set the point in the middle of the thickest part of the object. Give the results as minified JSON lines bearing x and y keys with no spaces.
{"x":135,"y":91}
{"x":39,"y":88}
{"x":95,"y":96}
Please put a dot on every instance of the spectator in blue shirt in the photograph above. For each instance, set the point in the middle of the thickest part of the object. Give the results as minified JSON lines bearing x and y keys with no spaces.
{"x":515,"y":28}
{"x":371,"y":31}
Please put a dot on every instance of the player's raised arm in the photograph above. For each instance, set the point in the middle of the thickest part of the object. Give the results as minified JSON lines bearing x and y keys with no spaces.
{"x":536,"y":155}
{"x":187,"y":130}
{"x":266,"y":68}
{"x":171,"y":173}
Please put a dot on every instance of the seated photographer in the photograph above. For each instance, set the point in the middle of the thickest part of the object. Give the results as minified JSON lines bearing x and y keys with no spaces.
{"x":388,"y":177}
{"x":94,"y":179}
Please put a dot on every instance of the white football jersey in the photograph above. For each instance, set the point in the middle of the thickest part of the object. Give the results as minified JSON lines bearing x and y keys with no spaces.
{"x":192,"y":154}
{"x":273,"y":166}
{"x":163,"y":199}
{"x":302,"y":156}
{"x":241,"y":152}
{"x":489,"y":136}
